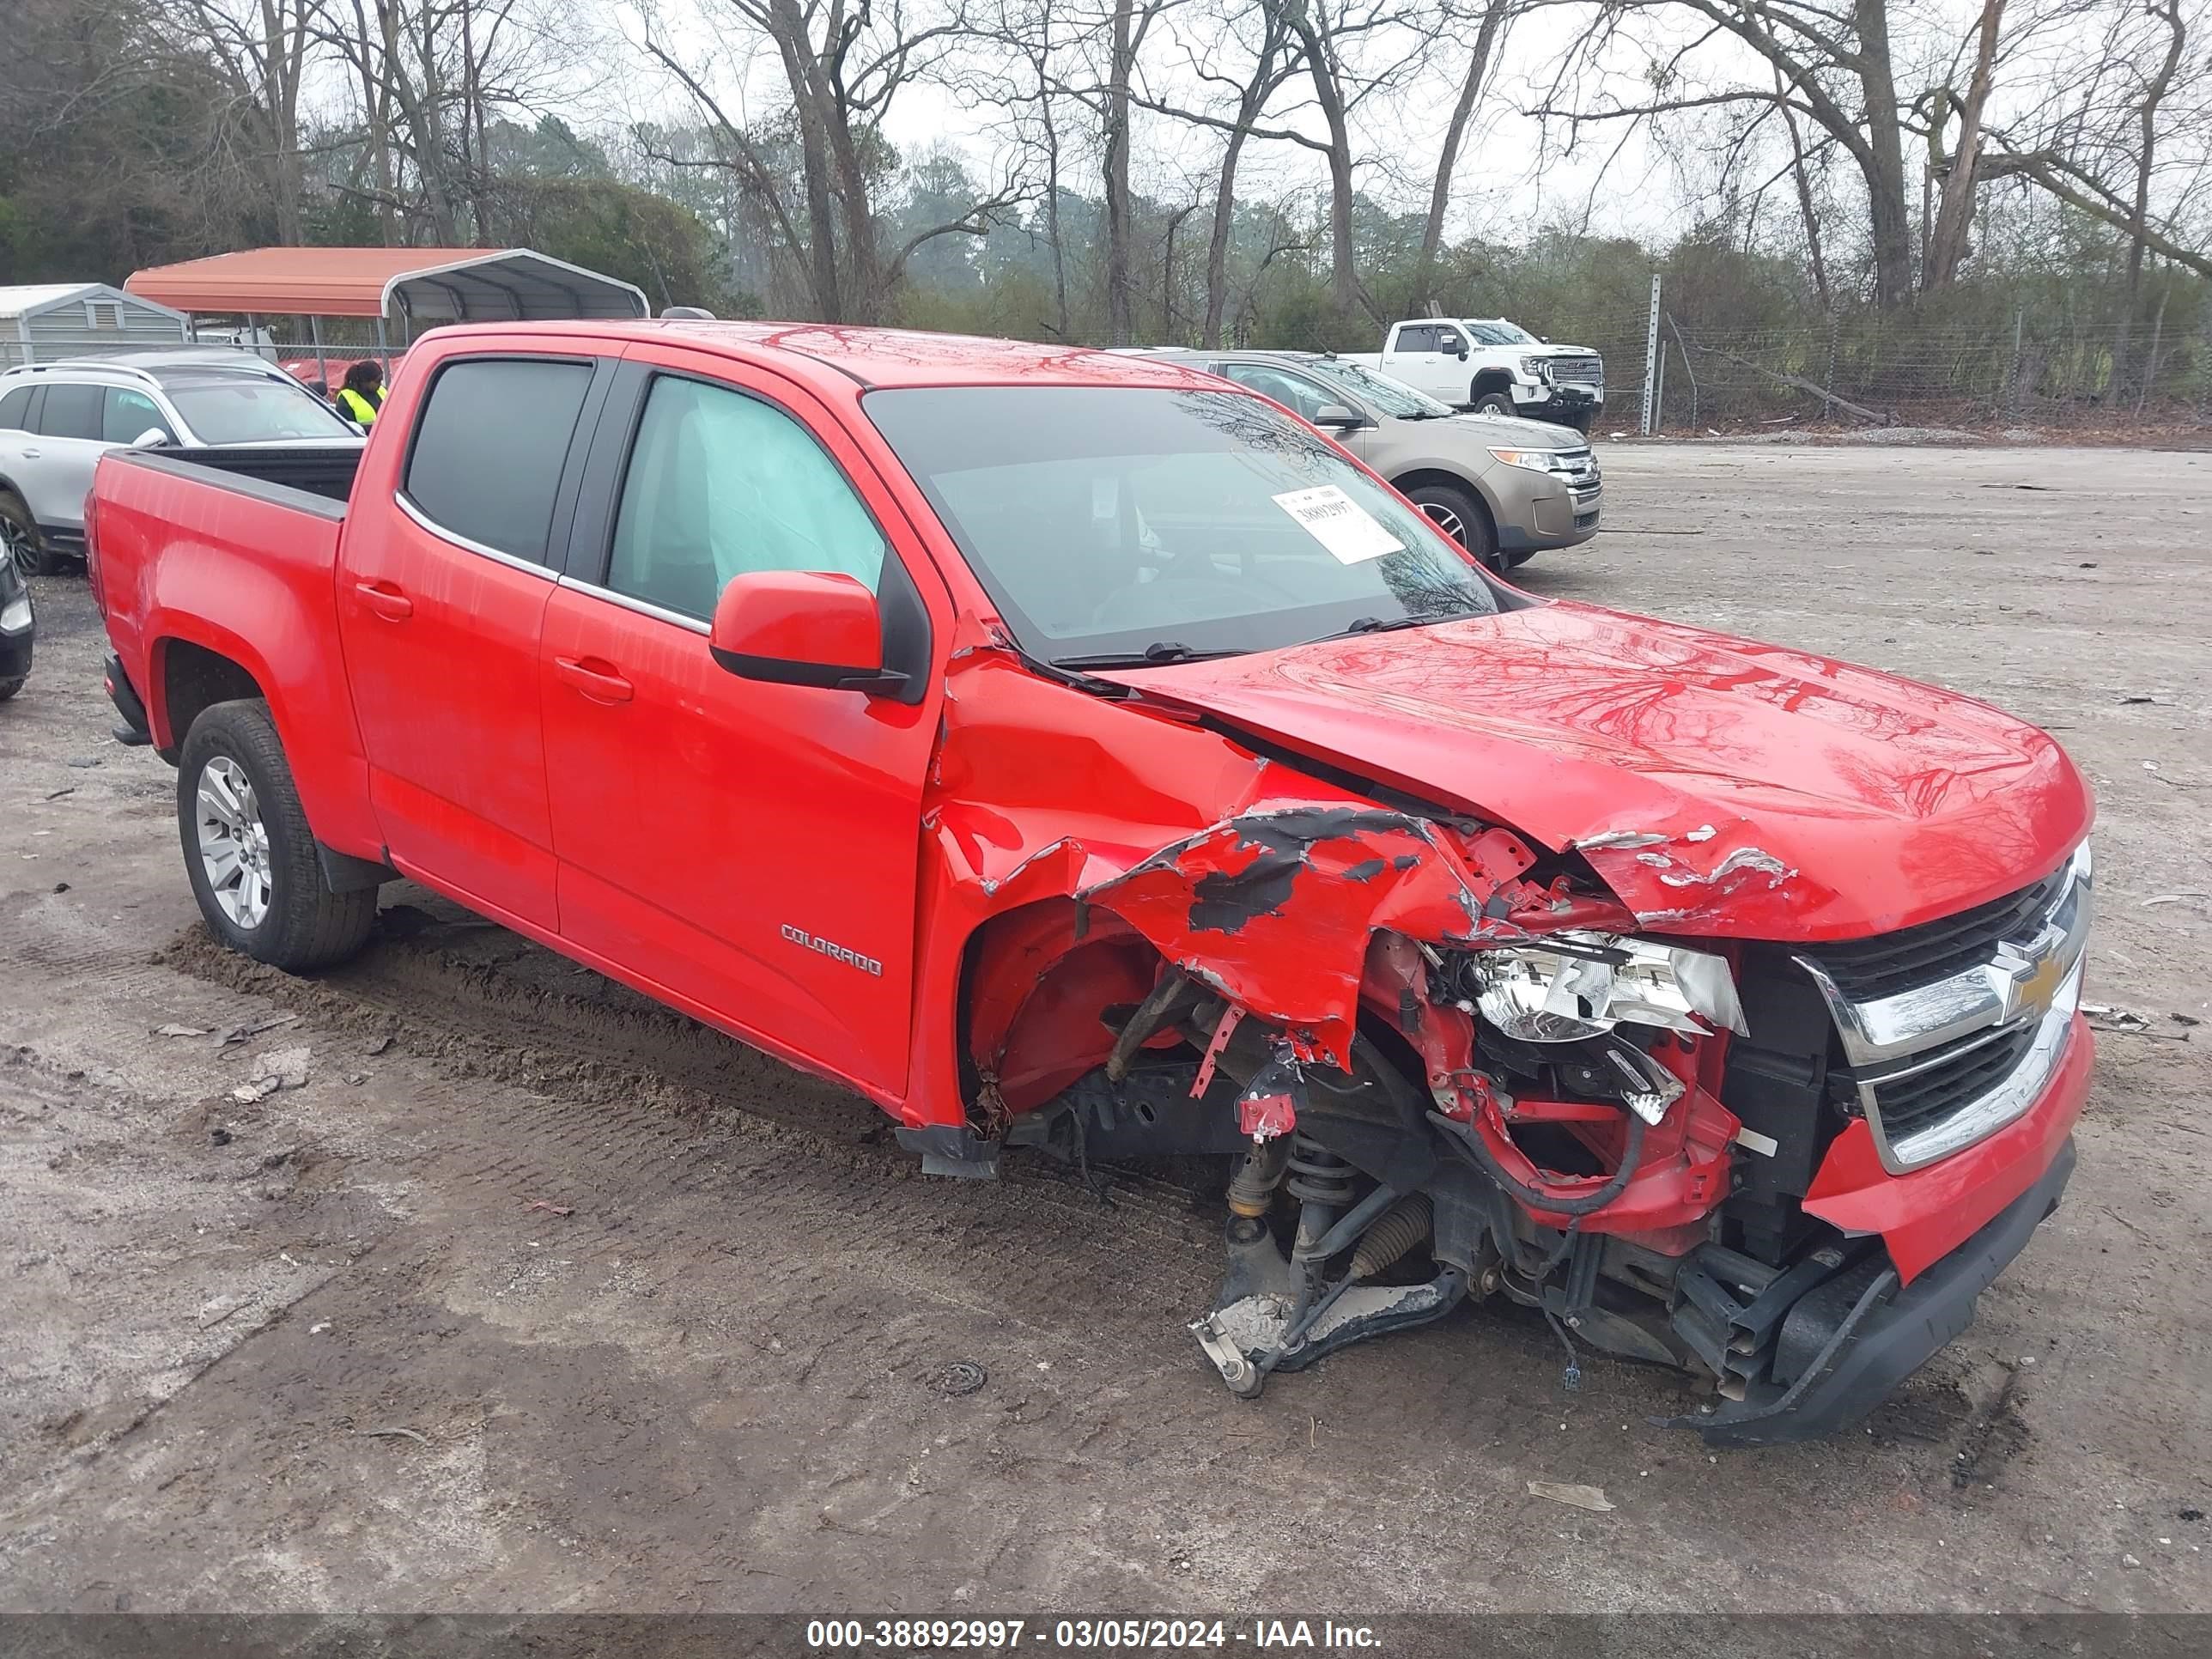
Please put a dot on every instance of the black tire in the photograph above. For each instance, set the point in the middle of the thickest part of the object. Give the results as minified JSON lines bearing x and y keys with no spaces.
{"x":1493,"y":403}
{"x":303,"y":925}
{"x":19,"y":537}
{"x":9,"y":688}
{"x":1460,"y":516}
{"x":1515,"y":560}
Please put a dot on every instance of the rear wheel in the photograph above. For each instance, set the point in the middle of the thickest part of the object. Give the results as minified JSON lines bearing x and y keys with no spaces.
{"x":19,"y":537}
{"x":248,"y":851}
{"x":1460,"y":516}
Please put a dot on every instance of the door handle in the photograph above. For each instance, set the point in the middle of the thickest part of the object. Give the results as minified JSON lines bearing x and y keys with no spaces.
{"x":596,"y":679}
{"x":30,"y":454}
{"x":387,"y":601}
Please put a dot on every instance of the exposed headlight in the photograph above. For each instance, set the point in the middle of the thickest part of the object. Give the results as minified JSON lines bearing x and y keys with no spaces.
{"x":15,"y":615}
{"x":1536,"y":368}
{"x":1593,"y":981}
{"x":1537,"y":460}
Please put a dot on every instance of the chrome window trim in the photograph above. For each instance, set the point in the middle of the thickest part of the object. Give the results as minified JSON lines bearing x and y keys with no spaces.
{"x":644,"y":608}
{"x":424,"y":521}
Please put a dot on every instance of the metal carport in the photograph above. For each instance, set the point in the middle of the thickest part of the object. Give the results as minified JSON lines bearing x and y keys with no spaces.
{"x":414,"y":286}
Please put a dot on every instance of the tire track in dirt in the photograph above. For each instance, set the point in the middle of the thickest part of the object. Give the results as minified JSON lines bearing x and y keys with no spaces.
{"x":648,"y":1104}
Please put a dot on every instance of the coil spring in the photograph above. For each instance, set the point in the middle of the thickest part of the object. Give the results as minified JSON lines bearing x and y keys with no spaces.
{"x":1318,"y":1175}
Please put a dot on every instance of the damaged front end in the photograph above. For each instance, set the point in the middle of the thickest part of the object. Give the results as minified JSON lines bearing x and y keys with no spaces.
{"x":1444,"y":1065}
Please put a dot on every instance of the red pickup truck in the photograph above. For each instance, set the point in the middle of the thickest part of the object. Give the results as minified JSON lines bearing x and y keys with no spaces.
{"x":1077,"y":752}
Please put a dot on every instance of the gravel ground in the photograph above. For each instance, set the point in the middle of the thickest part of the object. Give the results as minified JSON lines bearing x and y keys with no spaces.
{"x":531,"y":1295}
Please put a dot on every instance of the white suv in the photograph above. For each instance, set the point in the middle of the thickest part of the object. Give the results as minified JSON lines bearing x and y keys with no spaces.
{"x":57,"y":419}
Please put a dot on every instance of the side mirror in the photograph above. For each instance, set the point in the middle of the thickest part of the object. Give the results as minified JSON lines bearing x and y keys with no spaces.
{"x":152,"y":438}
{"x":802,"y":627}
{"x":1462,"y":354}
{"x":1337,"y":416}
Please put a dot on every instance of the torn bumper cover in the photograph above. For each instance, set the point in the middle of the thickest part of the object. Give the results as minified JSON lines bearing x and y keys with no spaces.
{"x":1851,"y":1340}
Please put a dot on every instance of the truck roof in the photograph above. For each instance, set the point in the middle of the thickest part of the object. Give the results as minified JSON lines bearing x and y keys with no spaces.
{"x":873,"y":357}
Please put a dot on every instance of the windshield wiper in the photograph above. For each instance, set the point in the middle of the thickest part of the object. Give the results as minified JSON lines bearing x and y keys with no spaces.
{"x":1391,"y":625}
{"x":1380,"y":624}
{"x":1158,"y":652}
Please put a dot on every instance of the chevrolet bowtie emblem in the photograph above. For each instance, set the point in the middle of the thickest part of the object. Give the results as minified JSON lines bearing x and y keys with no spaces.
{"x":2040,"y":988}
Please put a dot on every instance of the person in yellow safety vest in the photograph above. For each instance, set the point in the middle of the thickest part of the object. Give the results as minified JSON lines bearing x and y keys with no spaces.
{"x":362,"y":395}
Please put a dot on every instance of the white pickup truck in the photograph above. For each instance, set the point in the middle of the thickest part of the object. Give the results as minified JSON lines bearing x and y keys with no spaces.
{"x":1488,"y":363}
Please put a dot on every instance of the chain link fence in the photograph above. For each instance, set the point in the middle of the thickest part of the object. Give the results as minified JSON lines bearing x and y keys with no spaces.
{"x":1888,"y":368}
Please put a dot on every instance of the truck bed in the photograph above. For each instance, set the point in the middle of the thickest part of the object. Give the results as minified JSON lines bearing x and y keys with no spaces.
{"x":232,"y":554}
{"x":324,"y":472}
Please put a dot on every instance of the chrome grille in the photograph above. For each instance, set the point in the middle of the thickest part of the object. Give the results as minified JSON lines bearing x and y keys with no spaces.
{"x":1952,"y":1029}
{"x":1933,"y":1086}
{"x":1579,"y":371}
{"x":1865,"y":969}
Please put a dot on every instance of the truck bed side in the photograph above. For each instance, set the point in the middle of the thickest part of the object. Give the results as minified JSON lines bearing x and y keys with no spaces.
{"x":218,"y":583}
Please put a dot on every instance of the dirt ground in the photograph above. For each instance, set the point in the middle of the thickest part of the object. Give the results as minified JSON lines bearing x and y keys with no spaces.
{"x":531,"y":1296}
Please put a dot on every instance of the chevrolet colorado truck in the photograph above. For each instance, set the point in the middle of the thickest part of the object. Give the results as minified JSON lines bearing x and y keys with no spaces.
{"x":1075,"y":752}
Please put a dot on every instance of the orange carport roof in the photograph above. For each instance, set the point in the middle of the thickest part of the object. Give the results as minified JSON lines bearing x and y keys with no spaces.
{"x":423,"y":284}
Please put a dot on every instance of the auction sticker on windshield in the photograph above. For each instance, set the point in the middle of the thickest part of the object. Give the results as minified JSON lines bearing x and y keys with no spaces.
{"x":1340,"y":523}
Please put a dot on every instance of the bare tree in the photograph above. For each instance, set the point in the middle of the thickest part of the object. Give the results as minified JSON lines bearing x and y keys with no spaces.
{"x":1352,"y":49}
{"x":429,"y":74}
{"x":1274,"y":61}
{"x":2121,"y":149}
{"x":1493,"y":15}
{"x":1800,"y":175}
{"x":1835,"y":68}
{"x":259,"y":50}
{"x":1956,"y":170}
{"x":844,"y":62}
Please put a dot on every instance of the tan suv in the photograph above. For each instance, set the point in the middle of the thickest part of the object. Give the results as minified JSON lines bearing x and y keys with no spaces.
{"x":1504,"y":489}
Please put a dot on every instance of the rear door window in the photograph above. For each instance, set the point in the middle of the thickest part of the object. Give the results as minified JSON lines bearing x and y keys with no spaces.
{"x":126,"y":414}
{"x":15,"y":408}
{"x":489,"y":448}
{"x":71,"y":411}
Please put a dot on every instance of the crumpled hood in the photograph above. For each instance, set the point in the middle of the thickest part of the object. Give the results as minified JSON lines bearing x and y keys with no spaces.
{"x":1719,"y":786}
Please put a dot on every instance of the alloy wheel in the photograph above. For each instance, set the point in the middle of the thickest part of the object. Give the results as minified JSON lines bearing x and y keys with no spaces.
{"x":233,"y":842}
{"x":1446,"y":520}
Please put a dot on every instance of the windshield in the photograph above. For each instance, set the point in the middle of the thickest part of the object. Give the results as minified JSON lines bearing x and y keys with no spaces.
{"x":1502,"y":334}
{"x":1391,"y":397}
{"x":1112,"y":521}
{"x":251,"y":408}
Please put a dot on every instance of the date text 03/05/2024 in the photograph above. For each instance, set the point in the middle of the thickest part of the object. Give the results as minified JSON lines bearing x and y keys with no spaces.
{"x":1085,"y":1635}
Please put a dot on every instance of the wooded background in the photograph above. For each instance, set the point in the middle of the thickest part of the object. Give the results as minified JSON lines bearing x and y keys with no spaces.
{"x":1955,"y":210}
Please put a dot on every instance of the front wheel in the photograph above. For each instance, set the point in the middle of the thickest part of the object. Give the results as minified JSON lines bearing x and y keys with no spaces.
{"x":20,"y":539}
{"x":1493,"y":403}
{"x":9,"y":688}
{"x":1461,"y":517}
{"x":248,"y":851}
